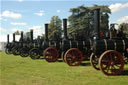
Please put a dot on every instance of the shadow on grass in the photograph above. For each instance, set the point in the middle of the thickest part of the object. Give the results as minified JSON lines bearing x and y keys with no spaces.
{"x":59,"y":60}
{"x":85,"y":64}
{"x":124,"y":72}
{"x":41,"y":58}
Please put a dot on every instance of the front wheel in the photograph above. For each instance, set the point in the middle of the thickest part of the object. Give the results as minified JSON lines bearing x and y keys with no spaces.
{"x":94,"y":61}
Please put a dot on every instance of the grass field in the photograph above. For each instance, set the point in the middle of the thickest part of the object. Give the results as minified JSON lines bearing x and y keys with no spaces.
{"x":15,"y":70}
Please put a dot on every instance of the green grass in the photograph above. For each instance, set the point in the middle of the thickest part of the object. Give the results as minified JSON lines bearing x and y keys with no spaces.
{"x":15,"y":70}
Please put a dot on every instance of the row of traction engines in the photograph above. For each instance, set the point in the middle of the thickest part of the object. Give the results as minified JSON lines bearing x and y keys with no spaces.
{"x":106,"y":54}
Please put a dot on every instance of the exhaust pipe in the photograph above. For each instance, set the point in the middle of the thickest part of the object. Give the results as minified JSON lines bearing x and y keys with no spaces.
{"x":8,"y":38}
{"x":13,"y":37}
{"x":65,"y":29}
{"x":31,"y":35}
{"x":46,"y":31}
{"x":97,"y":22}
{"x":21,"y":36}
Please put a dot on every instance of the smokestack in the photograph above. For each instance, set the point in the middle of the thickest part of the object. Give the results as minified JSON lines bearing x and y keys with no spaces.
{"x":97,"y":22}
{"x":31,"y":35}
{"x":65,"y":28}
{"x":8,"y":38}
{"x":13,"y":37}
{"x":46,"y":31}
{"x":21,"y":36}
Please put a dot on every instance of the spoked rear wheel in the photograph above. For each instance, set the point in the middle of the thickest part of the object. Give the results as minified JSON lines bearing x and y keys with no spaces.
{"x":73,"y":57}
{"x":24,"y":52}
{"x":94,"y":59}
{"x":8,"y":51}
{"x":16,"y":50}
{"x":111,"y":63}
{"x":34,"y":53}
{"x":51,"y":54}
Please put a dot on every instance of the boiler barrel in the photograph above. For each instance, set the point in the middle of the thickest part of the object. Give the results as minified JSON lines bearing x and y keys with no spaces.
{"x":50,"y":43}
{"x":102,"y":45}
{"x":76,"y":44}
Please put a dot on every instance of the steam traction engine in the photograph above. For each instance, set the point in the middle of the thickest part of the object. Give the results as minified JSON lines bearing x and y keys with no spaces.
{"x":27,"y":45}
{"x":73,"y":52}
{"x":18,"y":46}
{"x":51,"y":48}
{"x":10,"y":45}
{"x":108,"y":54}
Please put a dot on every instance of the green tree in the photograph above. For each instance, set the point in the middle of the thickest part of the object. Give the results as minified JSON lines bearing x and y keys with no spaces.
{"x":27,"y":36}
{"x":104,"y":11}
{"x":78,"y":22}
{"x":81,"y":20}
{"x":125,"y":27}
{"x":43,"y":36}
{"x":17,"y":32}
{"x":55,"y":28}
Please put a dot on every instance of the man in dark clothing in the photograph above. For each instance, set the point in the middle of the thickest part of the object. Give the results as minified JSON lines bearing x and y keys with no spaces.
{"x":113,"y":31}
{"x":121,"y":33}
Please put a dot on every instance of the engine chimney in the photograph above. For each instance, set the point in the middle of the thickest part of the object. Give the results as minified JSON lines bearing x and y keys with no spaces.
{"x":46,"y":31}
{"x":21,"y":36}
{"x":8,"y":38}
{"x":65,"y":28}
{"x":13,"y":37}
{"x":97,"y":22}
{"x":31,"y":35}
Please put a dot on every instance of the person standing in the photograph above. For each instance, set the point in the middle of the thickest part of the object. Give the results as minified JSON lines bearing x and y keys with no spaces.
{"x":113,"y":31}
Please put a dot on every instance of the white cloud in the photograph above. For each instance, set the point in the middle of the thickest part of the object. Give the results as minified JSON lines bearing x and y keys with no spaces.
{"x":37,"y":30}
{"x":122,"y":20}
{"x":117,"y":7}
{"x":10,"y":14}
{"x":15,"y":29}
{"x":18,"y":23}
{"x":40,"y":13}
{"x":58,"y":11}
{"x":2,"y":30}
{"x":3,"y":38}
{"x":20,"y":0}
{"x":3,"y":19}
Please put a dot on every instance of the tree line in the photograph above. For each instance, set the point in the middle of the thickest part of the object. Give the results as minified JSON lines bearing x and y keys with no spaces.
{"x":81,"y":23}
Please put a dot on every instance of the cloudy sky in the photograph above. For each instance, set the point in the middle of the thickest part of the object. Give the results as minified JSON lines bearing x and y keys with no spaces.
{"x":24,"y":15}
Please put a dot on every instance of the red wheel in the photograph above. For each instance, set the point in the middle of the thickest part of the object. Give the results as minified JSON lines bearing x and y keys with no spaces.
{"x":111,"y":63}
{"x":73,"y":57}
{"x":51,"y":54}
{"x":94,"y":61}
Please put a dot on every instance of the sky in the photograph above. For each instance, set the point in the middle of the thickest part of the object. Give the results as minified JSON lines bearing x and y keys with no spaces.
{"x":24,"y":15}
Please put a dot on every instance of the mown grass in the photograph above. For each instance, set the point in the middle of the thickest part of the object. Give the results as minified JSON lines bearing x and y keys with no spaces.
{"x":15,"y":70}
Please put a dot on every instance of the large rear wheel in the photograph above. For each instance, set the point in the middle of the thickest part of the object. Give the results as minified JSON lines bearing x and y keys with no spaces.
{"x":111,"y":63}
{"x":24,"y":52}
{"x":51,"y":54}
{"x":34,"y":53}
{"x":73,"y":57}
